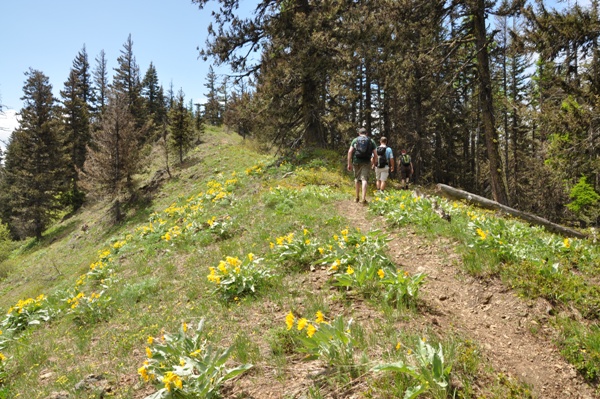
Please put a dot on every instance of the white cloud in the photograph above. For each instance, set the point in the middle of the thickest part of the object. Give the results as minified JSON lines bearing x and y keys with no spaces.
{"x":8,"y":123}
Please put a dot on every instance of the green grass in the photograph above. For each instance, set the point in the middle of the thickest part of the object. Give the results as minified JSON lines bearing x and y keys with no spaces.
{"x":535,"y":263}
{"x":150,"y":277}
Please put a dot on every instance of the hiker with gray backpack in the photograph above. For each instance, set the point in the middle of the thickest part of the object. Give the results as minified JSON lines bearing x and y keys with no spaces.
{"x":361,"y":158}
{"x":385,"y":163}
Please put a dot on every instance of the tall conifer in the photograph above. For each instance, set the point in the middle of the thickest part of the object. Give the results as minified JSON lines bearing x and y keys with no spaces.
{"x":114,"y":158}
{"x":180,"y":126}
{"x":126,"y":80}
{"x":100,"y":78}
{"x":33,"y":160}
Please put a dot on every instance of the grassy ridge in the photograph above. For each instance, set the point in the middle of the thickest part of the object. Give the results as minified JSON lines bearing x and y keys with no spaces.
{"x":217,"y":264}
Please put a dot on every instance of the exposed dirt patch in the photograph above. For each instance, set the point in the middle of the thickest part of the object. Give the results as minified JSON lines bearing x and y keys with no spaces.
{"x":487,"y":312}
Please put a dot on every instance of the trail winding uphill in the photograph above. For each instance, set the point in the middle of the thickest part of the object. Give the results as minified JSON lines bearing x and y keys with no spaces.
{"x":489,"y":313}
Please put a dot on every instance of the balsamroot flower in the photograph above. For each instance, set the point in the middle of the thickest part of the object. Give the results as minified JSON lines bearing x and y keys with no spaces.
{"x":302,"y":323}
{"x":289,"y":320}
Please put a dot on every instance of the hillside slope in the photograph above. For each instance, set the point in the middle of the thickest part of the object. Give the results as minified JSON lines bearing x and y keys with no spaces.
{"x":486,"y":312}
{"x":269,"y":271}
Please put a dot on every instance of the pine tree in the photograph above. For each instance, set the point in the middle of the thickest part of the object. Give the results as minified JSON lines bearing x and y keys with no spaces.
{"x":81,"y":67}
{"x":33,"y":160}
{"x":478,"y":10}
{"x":212,"y":107}
{"x":100,"y":85}
{"x":75,"y":136}
{"x":127,"y":81}
{"x":180,"y":126}
{"x":154,"y":100}
{"x":114,"y":157}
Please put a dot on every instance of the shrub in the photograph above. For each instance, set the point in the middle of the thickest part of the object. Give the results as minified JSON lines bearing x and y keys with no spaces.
{"x":187,"y":365}
{"x":585,"y":201}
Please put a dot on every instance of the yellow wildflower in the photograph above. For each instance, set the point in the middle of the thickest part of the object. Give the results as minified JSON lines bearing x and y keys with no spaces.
{"x":310,"y":330}
{"x":320,"y":318}
{"x":321,"y":250}
{"x":185,"y":327}
{"x":196,"y":352}
{"x":222,"y":267}
{"x":289,"y":320}
{"x":302,"y":323}
{"x":143,"y":371}
{"x":148,"y":352}
{"x":481,"y":234}
{"x":150,"y":340}
{"x":172,"y":380}
{"x":305,"y":232}
{"x":271,"y":245}
{"x":233,"y":261}
{"x":250,"y":256}
{"x":567,"y":243}
{"x":381,"y":273}
{"x":350,"y":270}
{"x":2,"y":357}
{"x":398,"y":345}
{"x":307,"y":242}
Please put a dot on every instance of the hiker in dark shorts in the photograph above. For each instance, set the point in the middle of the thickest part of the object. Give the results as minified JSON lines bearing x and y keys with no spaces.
{"x":406,"y":169}
{"x":385,"y":163}
{"x":362,"y":156}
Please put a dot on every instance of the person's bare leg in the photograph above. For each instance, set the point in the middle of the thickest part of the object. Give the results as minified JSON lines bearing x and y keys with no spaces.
{"x":357,"y":186}
{"x":364,"y":190}
{"x":382,"y":185}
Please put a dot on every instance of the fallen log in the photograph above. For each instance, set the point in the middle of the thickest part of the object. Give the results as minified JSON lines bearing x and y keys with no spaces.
{"x":454,"y":193}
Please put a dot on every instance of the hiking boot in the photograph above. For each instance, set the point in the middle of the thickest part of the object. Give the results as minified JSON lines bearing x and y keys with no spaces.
{"x":365,"y":202}
{"x":357,"y":199}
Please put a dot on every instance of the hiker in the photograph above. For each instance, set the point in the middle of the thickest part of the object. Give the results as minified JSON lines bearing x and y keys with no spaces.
{"x":361,"y":157}
{"x":406,"y":169}
{"x":385,"y":163}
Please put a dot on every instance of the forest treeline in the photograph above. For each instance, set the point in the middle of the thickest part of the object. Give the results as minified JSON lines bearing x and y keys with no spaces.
{"x":95,"y":138}
{"x":498,"y":98}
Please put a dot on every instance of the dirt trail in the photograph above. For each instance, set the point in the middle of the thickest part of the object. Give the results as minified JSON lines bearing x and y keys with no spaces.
{"x":488,"y":313}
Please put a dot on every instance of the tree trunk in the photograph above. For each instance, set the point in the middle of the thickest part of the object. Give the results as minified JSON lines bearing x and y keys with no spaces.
{"x":455,"y":193}
{"x":487,"y":107}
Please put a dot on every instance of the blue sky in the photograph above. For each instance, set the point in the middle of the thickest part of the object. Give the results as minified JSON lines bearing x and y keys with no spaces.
{"x":47,"y":35}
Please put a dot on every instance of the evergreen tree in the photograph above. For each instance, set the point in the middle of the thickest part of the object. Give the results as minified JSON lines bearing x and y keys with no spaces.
{"x":198,"y":122}
{"x":100,"y":85}
{"x":75,"y":136}
{"x":212,"y":107}
{"x":154,"y":101}
{"x":127,"y":81}
{"x":33,"y":161}
{"x":478,"y":10}
{"x":180,"y":126}
{"x":114,"y":157}
{"x":81,"y":67}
